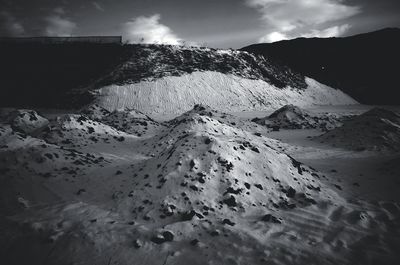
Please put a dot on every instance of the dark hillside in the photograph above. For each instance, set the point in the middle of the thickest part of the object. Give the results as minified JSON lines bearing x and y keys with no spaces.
{"x":365,"y":66}
{"x":42,"y":75}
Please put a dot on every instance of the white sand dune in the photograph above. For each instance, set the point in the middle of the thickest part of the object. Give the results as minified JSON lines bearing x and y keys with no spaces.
{"x":226,"y":92}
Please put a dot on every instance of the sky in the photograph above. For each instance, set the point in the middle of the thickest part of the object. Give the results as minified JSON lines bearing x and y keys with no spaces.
{"x":214,"y":23}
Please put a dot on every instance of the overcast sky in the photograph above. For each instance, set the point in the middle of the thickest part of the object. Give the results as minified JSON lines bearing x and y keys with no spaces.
{"x":216,"y":23}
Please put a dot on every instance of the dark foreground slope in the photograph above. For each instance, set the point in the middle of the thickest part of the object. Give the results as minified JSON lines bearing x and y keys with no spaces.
{"x":364,"y":66}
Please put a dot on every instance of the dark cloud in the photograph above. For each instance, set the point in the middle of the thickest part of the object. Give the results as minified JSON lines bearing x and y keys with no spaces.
{"x":59,"y":26}
{"x":10,"y":26}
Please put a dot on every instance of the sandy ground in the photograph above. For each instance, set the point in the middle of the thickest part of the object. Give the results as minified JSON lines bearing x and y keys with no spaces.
{"x":367,"y":175}
{"x":204,"y":188}
{"x":355,"y":109}
{"x":364,"y":175}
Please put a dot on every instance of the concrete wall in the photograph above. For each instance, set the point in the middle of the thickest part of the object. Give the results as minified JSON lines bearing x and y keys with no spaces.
{"x":59,"y":40}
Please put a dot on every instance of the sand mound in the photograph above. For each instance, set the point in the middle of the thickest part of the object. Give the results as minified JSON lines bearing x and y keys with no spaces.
{"x":199,"y":189}
{"x":126,"y":120}
{"x":94,"y":112}
{"x":28,"y":166}
{"x":131,"y":121}
{"x":293,"y":117}
{"x":162,"y":79}
{"x":25,"y":121}
{"x":223,"y":92}
{"x":151,"y":62}
{"x":78,"y":131}
{"x":377,"y":130}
